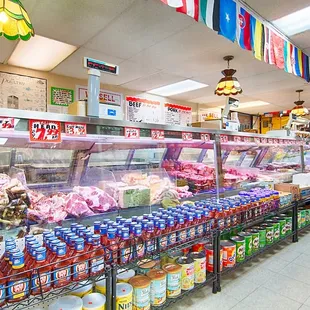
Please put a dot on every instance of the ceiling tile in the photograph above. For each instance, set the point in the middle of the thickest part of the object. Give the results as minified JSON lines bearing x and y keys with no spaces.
{"x":75,"y":21}
{"x":302,"y":40}
{"x":6,"y":49}
{"x":188,"y":96}
{"x":73,"y":65}
{"x":144,"y":24}
{"x":153,"y":81}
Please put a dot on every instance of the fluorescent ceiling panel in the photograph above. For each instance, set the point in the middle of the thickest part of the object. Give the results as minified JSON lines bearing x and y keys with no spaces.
{"x":294,"y":23}
{"x":177,"y":88}
{"x":40,"y":53}
{"x":250,"y":104}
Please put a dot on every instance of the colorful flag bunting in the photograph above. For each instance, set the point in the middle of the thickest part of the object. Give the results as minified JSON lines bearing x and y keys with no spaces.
{"x":296,"y":61}
{"x":190,"y":8}
{"x":277,"y":49}
{"x":209,"y":13}
{"x":173,"y":3}
{"x":243,"y":28}
{"x":268,"y":50}
{"x":288,"y":48}
{"x":305,"y":66}
{"x":228,"y":22}
{"x":257,"y":38}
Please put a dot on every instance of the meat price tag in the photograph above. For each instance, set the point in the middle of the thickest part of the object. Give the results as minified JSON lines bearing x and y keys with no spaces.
{"x":257,"y":140}
{"x":237,"y":139}
{"x":75,"y":129}
{"x":132,"y":133}
{"x":44,"y":131}
{"x":7,"y":123}
{"x":157,"y":134}
{"x":205,"y":137}
{"x":223,"y":138}
{"x":270,"y":141}
{"x":187,"y":136}
{"x":247,"y":139}
{"x":264,"y":140}
{"x":276,"y":141}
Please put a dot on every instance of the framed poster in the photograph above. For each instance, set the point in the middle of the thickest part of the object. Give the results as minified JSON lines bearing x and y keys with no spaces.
{"x":61,"y":96}
{"x":23,"y":92}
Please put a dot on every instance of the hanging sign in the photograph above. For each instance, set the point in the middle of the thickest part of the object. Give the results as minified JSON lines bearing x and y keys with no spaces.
{"x":187,"y":136}
{"x":132,"y":133}
{"x":205,"y":137}
{"x":176,"y":114}
{"x":223,"y":138}
{"x":143,"y":110}
{"x":75,"y":129}
{"x":45,"y":131}
{"x":157,"y":134}
{"x":102,"y":66}
{"x":7,"y":123}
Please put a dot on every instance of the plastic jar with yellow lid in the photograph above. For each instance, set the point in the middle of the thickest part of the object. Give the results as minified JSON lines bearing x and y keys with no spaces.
{"x":124,"y":296}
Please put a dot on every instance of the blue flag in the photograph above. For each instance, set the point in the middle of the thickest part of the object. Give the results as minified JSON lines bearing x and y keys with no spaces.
{"x":228,"y":20}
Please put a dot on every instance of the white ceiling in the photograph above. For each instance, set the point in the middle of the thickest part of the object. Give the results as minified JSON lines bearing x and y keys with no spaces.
{"x":155,"y":46}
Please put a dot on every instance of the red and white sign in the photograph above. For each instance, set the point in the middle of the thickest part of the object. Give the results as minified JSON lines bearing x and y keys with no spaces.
{"x":205,"y":137}
{"x":176,"y":114}
{"x":105,"y":96}
{"x":132,"y":133}
{"x":247,"y":139}
{"x":223,"y":138}
{"x":238,"y":139}
{"x":264,"y":140}
{"x":257,"y":140}
{"x":7,"y":123}
{"x":187,"y":136}
{"x":45,"y":131}
{"x":157,"y":134}
{"x":75,"y":129}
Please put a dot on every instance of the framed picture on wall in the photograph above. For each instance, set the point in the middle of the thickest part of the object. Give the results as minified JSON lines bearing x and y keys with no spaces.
{"x":23,"y":92}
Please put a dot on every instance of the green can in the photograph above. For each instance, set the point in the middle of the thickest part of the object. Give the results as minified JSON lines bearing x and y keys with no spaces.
{"x":255,"y":239}
{"x":288,"y":220}
{"x":276,"y":231}
{"x":269,"y":233}
{"x":240,"y":248}
{"x":248,"y":242}
{"x":307,"y":216}
{"x":303,"y":218}
{"x":299,"y":219}
{"x":282,"y":222}
{"x":262,"y":236}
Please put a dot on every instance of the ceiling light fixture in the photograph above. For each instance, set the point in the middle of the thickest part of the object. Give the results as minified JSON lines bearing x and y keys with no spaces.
{"x":300,"y":110}
{"x":14,"y":21}
{"x":177,"y":88}
{"x":294,"y":23}
{"x":228,"y":85}
{"x":40,"y":53}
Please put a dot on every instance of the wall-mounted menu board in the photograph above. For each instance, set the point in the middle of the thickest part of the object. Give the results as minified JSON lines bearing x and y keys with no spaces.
{"x":22,"y":92}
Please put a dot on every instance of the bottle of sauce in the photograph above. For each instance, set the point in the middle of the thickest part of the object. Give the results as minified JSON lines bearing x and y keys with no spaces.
{"x":163,"y":235}
{"x":139,"y":252}
{"x":18,"y":281}
{"x":125,"y":247}
{"x":103,"y":234}
{"x":181,"y":229}
{"x":88,"y":242}
{"x":200,"y":225}
{"x":43,"y":282}
{"x":61,"y":270}
{"x":80,"y":262}
{"x":112,"y":247}
{"x":96,"y":257}
{"x":97,"y":227}
{"x":149,"y":239}
{"x":172,"y":235}
{"x":71,"y":245}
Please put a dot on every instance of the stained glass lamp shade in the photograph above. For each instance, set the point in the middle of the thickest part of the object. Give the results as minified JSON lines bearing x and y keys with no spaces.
{"x":299,"y":109}
{"x":228,"y":85}
{"x":14,"y":21}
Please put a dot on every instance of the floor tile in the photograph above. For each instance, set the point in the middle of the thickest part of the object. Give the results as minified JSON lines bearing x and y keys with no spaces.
{"x":240,"y":288}
{"x":288,"y":254}
{"x":258,"y":275}
{"x":304,"y":307}
{"x":288,"y":287}
{"x":263,"y":298}
{"x":307,"y":302}
{"x":274,"y":264}
{"x":297,"y":272}
{"x":302,"y":260}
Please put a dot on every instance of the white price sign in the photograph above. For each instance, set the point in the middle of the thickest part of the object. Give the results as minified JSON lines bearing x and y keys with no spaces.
{"x":157,"y":134}
{"x":205,"y":137}
{"x":187,"y":136}
{"x":132,"y":133}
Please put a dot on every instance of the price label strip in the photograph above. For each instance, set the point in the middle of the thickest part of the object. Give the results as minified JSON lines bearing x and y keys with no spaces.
{"x":45,"y":131}
{"x":132,"y":133}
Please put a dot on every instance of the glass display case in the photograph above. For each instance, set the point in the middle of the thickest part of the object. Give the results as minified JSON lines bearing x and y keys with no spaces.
{"x":105,"y":172}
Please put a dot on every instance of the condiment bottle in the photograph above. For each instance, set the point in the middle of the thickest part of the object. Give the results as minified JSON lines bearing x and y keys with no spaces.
{"x":18,"y":282}
{"x":172,"y":236}
{"x":125,"y":248}
{"x":103,"y":235}
{"x":139,"y":243}
{"x":80,"y":262}
{"x":62,"y":268}
{"x":97,"y":227}
{"x":41,"y":274}
{"x":149,"y":238}
{"x":181,"y":229}
{"x":88,"y":242}
{"x":111,"y":251}
{"x":163,"y":236}
{"x":96,"y":257}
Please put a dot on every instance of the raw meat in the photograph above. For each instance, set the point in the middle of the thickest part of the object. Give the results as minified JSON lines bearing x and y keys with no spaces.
{"x":77,"y":206}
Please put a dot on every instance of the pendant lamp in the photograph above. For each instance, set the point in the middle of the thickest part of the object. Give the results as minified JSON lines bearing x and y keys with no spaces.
{"x":300,"y":110}
{"x":14,"y":21}
{"x":228,"y":85}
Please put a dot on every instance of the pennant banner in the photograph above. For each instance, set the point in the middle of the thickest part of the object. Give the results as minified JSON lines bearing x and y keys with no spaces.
{"x":244,"y":28}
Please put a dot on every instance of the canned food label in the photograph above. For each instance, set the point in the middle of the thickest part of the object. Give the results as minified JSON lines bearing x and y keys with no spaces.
{"x":140,"y":250}
{"x":188,"y":277}
{"x":163,"y":242}
{"x":18,"y":289}
{"x":126,"y":255}
{"x":240,"y":252}
{"x":255,"y":243}
{"x":124,"y":302}
{"x":200,"y":230}
{"x":269,"y":236}
{"x":276,"y":235}
{"x":150,"y":246}
{"x":158,"y":292}
{"x":191,"y":233}
{"x":97,"y":265}
{"x":80,"y":269}
{"x":61,"y":276}
{"x":44,"y":279}
{"x":141,"y":298}
{"x":173,"y":284}
{"x":2,"y":293}
{"x":172,"y":238}
{"x":181,"y":236}
{"x":200,"y":270}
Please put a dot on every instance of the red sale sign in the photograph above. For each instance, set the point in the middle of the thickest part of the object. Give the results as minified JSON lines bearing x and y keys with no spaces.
{"x":75,"y":129}
{"x":7,"y":123}
{"x":132,"y":133}
{"x":238,"y":139}
{"x":223,"y":138}
{"x":157,"y":134}
{"x":205,"y":137}
{"x":187,"y":136}
{"x":45,"y":131}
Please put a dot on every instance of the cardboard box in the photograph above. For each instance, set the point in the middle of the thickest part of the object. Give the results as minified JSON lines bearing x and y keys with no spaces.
{"x":290,"y":188}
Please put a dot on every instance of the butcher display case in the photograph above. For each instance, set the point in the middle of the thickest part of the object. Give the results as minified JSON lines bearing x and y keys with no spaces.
{"x":123,"y":168}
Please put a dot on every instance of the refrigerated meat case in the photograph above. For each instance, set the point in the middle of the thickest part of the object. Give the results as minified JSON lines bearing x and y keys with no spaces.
{"x":105,"y":158}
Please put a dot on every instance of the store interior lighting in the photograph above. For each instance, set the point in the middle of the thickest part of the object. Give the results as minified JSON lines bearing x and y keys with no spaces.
{"x":250,"y":104}
{"x":177,"y":88}
{"x":294,"y":23}
{"x":40,"y":53}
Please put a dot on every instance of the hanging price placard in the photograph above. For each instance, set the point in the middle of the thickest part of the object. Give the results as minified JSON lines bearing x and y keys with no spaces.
{"x":205,"y":137}
{"x":157,"y":134}
{"x":264,"y":140}
{"x":187,"y":136}
{"x":75,"y":129}
{"x":45,"y":131}
{"x":247,"y":139}
{"x":223,"y":138}
{"x":257,"y":140}
{"x":132,"y":133}
{"x":7,"y":123}
{"x":237,"y":139}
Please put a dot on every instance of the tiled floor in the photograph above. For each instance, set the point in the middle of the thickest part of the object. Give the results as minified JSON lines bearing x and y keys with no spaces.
{"x":279,"y":279}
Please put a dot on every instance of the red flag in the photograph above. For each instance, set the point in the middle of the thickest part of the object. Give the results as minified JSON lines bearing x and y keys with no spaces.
{"x":190,"y":8}
{"x":173,"y":3}
{"x":277,"y":49}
